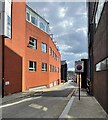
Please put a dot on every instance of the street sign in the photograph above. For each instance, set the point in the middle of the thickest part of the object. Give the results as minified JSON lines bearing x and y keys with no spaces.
{"x":79,"y":66}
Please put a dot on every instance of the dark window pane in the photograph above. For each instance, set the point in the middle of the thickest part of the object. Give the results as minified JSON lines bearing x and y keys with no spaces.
{"x":28,"y":16}
{"x":103,"y":65}
{"x":30,"y":64}
{"x":42,"y":26}
{"x":33,"y":20}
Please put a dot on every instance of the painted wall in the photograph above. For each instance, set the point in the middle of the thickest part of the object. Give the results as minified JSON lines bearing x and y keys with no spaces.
{"x":54,"y":76}
{"x":40,"y":78}
{"x":17,"y":54}
{"x":100,"y":51}
{"x":15,"y":50}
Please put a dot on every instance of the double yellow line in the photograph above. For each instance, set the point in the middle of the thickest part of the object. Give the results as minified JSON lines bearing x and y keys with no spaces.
{"x":73,"y":91}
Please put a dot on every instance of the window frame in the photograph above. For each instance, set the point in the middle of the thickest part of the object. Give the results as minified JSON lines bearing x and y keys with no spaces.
{"x":99,"y":10}
{"x":42,"y":49}
{"x":27,"y":13}
{"x":106,"y":63}
{"x":45,"y":67}
{"x":9,"y":26}
{"x":99,"y":66}
{"x":32,"y":69}
{"x":35,"y":43}
{"x":34,"y":20}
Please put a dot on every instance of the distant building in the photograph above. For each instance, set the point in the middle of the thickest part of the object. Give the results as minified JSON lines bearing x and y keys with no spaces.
{"x":98,"y":51}
{"x":64,"y":70}
{"x":70,"y":75}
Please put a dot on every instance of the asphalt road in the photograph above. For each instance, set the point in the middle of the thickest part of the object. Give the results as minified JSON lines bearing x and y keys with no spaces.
{"x":48,"y":105}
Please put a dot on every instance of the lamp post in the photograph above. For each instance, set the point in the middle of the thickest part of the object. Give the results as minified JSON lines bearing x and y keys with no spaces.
{"x":2,"y":64}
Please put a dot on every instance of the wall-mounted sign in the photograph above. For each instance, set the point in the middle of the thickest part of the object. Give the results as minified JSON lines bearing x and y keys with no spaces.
{"x":5,"y":18}
{"x":79,"y":66}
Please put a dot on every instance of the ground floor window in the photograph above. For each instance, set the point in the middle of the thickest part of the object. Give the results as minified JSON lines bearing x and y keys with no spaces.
{"x":32,"y":66}
{"x":44,"y":67}
{"x":102,"y":65}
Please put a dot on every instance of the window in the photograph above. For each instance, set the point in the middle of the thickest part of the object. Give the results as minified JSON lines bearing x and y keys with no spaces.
{"x":38,"y":21}
{"x":50,"y":51}
{"x":44,"y":47}
{"x":33,"y":43}
{"x":42,"y":26}
{"x":50,"y":68}
{"x":107,"y":63}
{"x":103,"y":65}
{"x":9,"y":26}
{"x":99,"y":10}
{"x":47,"y":27}
{"x":44,"y":67}
{"x":28,"y":16}
{"x":58,"y":69}
{"x":33,"y":19}
{"x":32,"y":66}
{"x":53,"y":54}
{"x":98,"y":67}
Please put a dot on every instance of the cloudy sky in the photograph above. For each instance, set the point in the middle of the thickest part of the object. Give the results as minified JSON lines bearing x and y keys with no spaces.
{"x":68,"y":24}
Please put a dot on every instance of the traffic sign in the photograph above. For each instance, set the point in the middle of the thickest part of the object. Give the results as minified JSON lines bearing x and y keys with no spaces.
{"x":79,"y":66}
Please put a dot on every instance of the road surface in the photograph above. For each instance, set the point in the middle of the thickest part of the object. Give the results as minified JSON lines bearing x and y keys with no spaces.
{"x":49,"y":104}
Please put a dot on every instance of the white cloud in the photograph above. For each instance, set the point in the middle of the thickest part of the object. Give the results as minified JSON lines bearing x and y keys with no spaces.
{"x":68,"y":23}
{"x":62,"y":12}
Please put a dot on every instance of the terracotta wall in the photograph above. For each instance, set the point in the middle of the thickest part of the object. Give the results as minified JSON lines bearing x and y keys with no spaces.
{"x":40,"y":78}
{"x":54,"y":76}
{"x":18,"y":54}
{"x":15,"y":50}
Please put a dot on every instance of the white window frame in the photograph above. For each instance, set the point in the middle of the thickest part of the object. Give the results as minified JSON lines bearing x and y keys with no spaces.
{"x":99,"y":11}
{"x":33,"y":42}
{"x":45,"y":67}
{"x":29,"y":16}
{"x":44,"y":49}
{"x":34,"y":66}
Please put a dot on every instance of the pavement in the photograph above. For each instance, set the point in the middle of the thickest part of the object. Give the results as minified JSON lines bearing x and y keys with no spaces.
{"x":85,"y":108}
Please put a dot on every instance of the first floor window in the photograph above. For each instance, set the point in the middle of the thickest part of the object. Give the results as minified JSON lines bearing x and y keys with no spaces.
{"x":44,"y":67}
{"x":32,"y":66}
{"x":50,"y":68}
{"x":44,"y":47}
{"x":50,"y":51}
{"x":33,"y":43}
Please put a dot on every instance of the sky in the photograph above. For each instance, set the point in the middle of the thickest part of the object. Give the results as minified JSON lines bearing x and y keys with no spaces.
{"x":68,"y":24}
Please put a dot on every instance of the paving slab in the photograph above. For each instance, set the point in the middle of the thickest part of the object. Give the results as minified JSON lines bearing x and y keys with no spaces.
{"x":86,"y":107}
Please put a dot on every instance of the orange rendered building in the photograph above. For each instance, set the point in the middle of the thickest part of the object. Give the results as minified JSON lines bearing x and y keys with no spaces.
{"x":31,"y":58}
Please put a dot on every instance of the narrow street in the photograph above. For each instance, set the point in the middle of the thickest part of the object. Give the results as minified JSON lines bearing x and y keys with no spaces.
{"x":49,"y":104}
